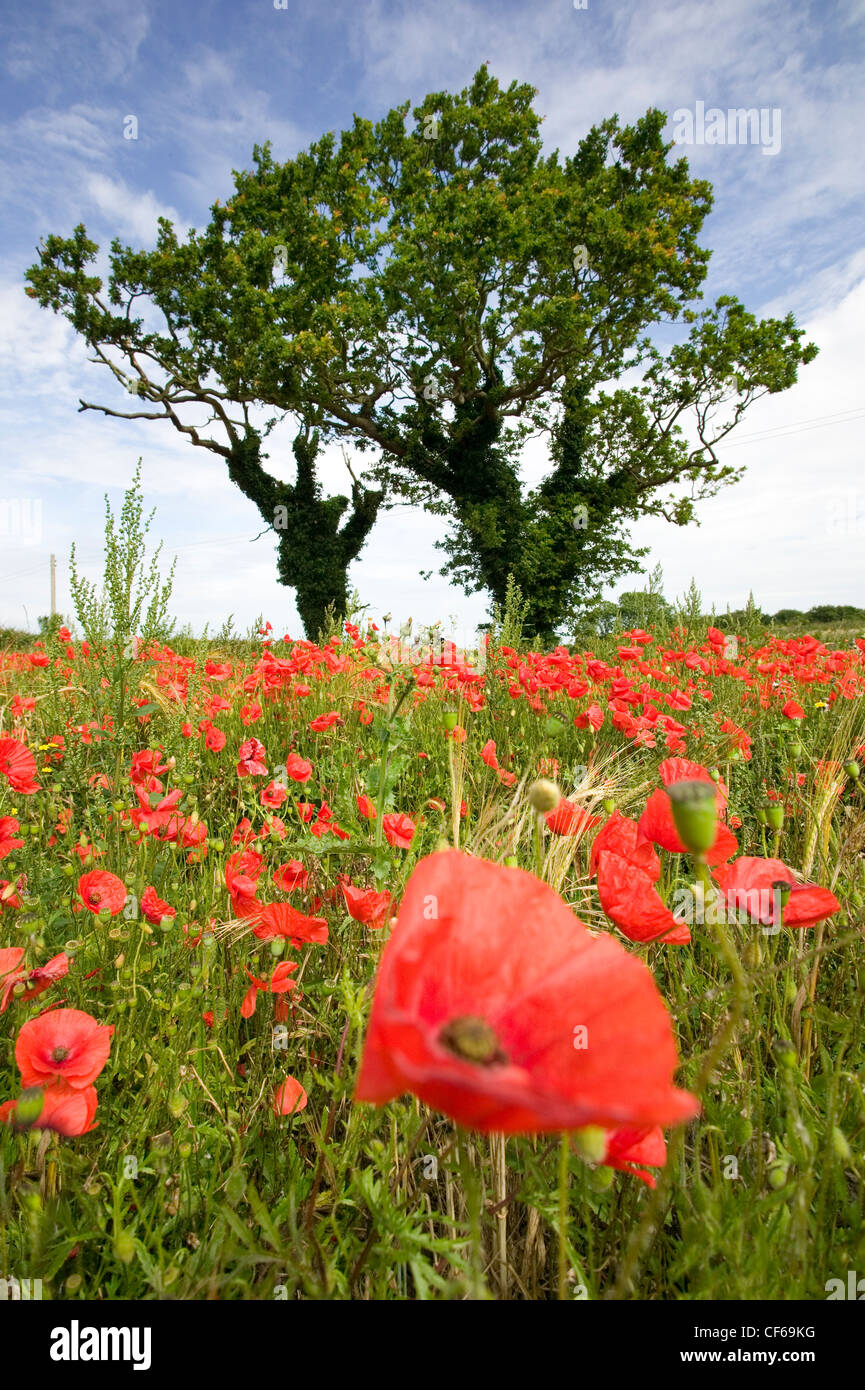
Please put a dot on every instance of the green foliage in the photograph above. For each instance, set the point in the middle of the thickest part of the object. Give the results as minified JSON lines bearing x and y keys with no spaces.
{"x":130,"y":609}
{"x":434,"y":288}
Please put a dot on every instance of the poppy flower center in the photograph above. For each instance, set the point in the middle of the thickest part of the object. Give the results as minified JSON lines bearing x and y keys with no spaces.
{"x":60,"y":1054}
{"x":472,"y":1039}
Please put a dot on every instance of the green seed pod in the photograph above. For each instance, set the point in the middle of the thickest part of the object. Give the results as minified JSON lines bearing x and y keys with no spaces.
{"x":177,"y":1104}
{"x":609,"y":804}
{"x":852,"y":770}
{"x":694,"y":814}
{"x":512,"y":862}
{"x":775,"y":815}
{"x":554,"y":727}
{"x":450,"y":720}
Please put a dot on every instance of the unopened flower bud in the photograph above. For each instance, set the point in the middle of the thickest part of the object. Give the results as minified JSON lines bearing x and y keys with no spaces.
{"x":29,"y":1106}
{"x":591,"y":1143}
{"x":609,"y":804}
{"x":840,"y":1146}
{"x":694,"y":814}
{"x":544,"y":795}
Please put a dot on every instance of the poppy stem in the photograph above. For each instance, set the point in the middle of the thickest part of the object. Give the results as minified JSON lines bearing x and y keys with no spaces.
{"x":564,"y":1154}
{"x":473,"y":1200}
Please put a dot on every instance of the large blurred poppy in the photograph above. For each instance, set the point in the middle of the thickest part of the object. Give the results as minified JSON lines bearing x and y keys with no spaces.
{"x":495,"y":1005}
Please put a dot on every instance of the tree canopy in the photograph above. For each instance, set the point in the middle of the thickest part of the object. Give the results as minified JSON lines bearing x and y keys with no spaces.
{"x":436,"y":290}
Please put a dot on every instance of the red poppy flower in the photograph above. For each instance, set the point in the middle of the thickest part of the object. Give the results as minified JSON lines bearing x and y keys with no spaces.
{"x":366,"y":808}
{"x":27,"y":984}
{"x":273,"y":795}
{"x":65,"y":1111}
{"x":748,"y":886}
{"x":62,"y":1045}
{"x":281,"y":919}
{"x":289,"y":1098}
{"x":621,"y":835}
{"x":8,"y":833}
{"x":656,"y":824}
{"x":570,"y":819}
{"x":792,"y":710}
{"x":674,"y":770}
{"x":565,"y":1030}
{"x":102,"y":892}
{"x":399,"y":830}
{"x":10,"y":957}
{"x":628,"y":1149}
{"x":250,"y":759}
{"x":366,"y":905}
{"x":297,"y":768}
{"x":630,"y":899}
{"x":18,"y":766}
{"x":8,"y":895}
{"x":214,"y":739}
{"x":154,"y":908}
{"x":290,"y":876}
{"x":325,"y":721}
{"x":279,"y":982}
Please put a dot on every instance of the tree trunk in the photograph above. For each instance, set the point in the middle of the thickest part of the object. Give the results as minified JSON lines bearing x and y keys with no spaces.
{"x":314,"y":551}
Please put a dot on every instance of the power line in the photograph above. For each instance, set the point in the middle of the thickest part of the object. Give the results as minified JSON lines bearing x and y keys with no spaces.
{"x":781,"y":431}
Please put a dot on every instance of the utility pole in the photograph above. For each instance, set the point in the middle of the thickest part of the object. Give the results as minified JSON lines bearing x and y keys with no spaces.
{"x":53,"y":585}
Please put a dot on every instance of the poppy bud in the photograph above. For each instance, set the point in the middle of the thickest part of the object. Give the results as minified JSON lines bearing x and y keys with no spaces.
{"x":544,"y":796}
{"x":124,"y":1246}
{"x":852,"y":770}
{"x":715,"y":774}
{"x":591,"y":1143}
{"x":694,"y":814}
{"x":775,"y":815}
{"x":786,"y":1054}
{"x":795,"y":749}
{"x":512,"y":862}
{"x":601,"y":1179}
{"x":29,"y":1106}
{"x":781,"y":889}
{"x":840,"y":1146}
{"x":609,"y":804}
{"x":762,"y":818}
{"x":778,"y":1174}
{"x":553,"y":727}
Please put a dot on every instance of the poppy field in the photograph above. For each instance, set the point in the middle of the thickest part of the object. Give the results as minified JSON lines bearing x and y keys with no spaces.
{"x":341,"y":970}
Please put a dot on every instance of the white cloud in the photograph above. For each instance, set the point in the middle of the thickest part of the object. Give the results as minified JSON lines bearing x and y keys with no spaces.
{"x":134,"y":214}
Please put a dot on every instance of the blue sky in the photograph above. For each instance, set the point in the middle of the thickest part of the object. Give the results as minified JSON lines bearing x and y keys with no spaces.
{"x":206,"y":81}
